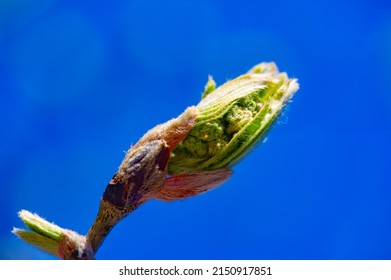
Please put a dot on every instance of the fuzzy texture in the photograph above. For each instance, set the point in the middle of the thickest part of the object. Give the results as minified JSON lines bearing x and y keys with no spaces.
{"x":40,"y":225}
{"x":172,"y":131}
{"x":73,"y":246}
{"x":187,"y":185}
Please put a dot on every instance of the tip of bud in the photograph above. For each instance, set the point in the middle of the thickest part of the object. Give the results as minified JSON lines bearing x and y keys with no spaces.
{"x":232,"y":119}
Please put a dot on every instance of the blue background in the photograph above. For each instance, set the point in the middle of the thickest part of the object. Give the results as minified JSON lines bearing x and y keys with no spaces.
{"x":82,"y":80}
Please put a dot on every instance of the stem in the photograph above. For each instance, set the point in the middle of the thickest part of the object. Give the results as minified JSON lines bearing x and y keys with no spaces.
{"x":108,"y":216}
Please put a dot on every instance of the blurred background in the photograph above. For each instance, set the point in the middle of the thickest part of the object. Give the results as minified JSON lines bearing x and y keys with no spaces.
{"x":82,"y":80}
